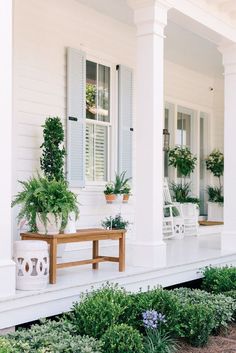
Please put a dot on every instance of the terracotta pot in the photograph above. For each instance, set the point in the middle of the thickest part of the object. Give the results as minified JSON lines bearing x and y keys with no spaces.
{"x":110,"y":198}
{"x":125,"y":198}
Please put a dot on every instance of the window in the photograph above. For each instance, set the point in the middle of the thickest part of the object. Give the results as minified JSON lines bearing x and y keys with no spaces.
{"x":98,"y":121}
{"x":202,"y":156}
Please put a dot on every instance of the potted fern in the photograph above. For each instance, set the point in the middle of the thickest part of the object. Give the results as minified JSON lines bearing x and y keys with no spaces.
{"x":45,"y":204}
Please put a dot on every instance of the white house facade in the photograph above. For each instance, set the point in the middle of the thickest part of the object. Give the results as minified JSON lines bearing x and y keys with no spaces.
{"x":161,"y":63}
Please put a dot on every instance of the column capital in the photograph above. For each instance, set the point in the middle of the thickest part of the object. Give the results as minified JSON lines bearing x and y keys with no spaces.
{"x":150,"y":16}
{"x":228,"y":51}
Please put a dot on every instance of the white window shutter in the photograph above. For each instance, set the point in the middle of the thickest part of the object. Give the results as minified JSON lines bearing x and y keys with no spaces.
{"x":125,"y":120}
{"x":76,"y":114}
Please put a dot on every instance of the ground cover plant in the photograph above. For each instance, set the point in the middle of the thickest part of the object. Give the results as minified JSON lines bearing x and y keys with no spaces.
{"x":51,"y":337}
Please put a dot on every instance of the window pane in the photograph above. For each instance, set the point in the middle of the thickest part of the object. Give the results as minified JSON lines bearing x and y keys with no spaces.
{"x":101,"y":144}
{"x":89,"y":152}
{"x":96,"y":152}
{"x":184,"y":129}
{"x":91,"y":90}
{"x":103,"y":93}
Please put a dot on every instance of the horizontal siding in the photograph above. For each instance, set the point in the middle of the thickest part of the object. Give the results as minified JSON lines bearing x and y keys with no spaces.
{"x":43,"y":31}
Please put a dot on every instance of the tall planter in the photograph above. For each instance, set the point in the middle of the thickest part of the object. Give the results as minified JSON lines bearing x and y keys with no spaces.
{"x":215,"y":212}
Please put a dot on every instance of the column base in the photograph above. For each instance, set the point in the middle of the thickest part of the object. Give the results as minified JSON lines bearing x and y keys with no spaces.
{"x":7,"y":278}
{"x":228,"y":241}
{"x":147,"y":254}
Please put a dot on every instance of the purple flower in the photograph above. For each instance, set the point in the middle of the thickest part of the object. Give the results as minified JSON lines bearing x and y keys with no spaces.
{"x":152,"y":319}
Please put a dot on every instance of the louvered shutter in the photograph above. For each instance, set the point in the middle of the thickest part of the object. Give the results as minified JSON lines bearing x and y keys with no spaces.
{"x":125,"y":120}
{"x":76,"y":84}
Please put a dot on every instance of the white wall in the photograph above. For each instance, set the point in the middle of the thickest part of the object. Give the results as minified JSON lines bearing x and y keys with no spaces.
{"x":43,"y":30}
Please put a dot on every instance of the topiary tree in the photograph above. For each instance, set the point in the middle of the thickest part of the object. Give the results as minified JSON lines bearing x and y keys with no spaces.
{"x":53,"y":150}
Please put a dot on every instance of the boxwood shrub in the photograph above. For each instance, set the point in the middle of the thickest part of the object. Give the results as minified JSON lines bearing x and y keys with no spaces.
{"x":122,"y":339}
{"x":219,"y":280}
{"x":161,"y":300}
{"x":100,"y":309}
{"x":198,"y":324}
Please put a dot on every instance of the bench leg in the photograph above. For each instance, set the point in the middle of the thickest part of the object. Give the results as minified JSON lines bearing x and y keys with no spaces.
{"x":122,"y":253}
{"x":95,"y":253}
{"x":53,"y":262}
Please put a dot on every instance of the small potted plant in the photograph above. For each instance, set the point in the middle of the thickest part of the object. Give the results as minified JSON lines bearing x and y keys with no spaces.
{"x":126,"y":192}
{"x":46,"y":204}
{"x":109,"y":192}
{"x":116,"y":222}
{"x":120,"y":183}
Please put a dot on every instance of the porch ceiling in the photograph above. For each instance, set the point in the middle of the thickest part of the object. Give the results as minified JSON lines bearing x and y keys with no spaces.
{"x":227,"y":7}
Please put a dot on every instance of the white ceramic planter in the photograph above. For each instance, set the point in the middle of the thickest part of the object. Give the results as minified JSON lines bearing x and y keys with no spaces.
{"x":71,"y":224}
{"x":53,"y":225}
{"x":215,"y":212}
{"x":119,"y":199}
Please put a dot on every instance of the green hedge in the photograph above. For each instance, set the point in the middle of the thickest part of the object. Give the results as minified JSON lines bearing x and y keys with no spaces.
{"x":190,"y":314}
{"x":219,"y":280}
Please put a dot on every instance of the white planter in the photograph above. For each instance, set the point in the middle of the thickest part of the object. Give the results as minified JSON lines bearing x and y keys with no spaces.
{"x":53,"y":225}
{"x":119,"y":199}
{"x":215,"y":212}
{"x":71,"y":224}
{"x":32,"y":264}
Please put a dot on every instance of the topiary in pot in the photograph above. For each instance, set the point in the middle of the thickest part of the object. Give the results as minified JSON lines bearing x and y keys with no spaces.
{"x":53,"y":151}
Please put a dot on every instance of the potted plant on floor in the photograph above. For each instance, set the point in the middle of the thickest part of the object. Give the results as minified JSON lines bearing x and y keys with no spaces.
{"x":181,"y":158}
{"x":45,"y":204}
{"x":215,"y":164}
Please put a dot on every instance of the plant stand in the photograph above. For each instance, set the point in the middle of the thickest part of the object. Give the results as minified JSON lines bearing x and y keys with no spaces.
{"x":179,"y":227}
{"x":32,"y":264}
{"x":215,"y":212}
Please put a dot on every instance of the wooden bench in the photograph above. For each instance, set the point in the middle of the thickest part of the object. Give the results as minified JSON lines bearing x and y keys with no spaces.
{"x":81,"y":235}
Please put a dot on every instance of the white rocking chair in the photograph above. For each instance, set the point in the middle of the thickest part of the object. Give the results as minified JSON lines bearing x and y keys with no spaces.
{"x":185,"y":223}
{"x":173,"y":223}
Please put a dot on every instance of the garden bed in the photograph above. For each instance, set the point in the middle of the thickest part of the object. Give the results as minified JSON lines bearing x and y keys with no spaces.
{"x":111,"y":320}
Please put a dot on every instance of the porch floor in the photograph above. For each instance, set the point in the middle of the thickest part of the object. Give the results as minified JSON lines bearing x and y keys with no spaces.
{"x":185,"y":259}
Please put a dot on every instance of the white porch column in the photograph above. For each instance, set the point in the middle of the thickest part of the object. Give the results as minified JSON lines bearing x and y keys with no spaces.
{"x":150,"y":18}
{"x":7,"y":267}
{"x":229,"y":234}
